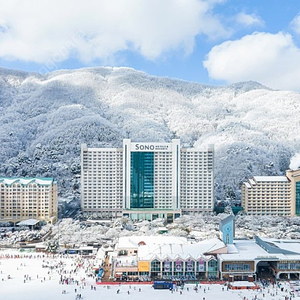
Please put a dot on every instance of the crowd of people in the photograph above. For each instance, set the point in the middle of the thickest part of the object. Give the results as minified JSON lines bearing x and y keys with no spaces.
{"x":75,"y":276}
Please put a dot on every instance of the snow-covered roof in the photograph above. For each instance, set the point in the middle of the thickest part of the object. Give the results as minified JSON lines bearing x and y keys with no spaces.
{"x":128,"y":242}
{"x":247,"y":184}
{"x":86,"y":248}
{"x":252,"y":181}
{"x":231,"y":249}
{"x":29,"y":222}
{"x":226,"y":220}
{"x":26,"y":181}
{"x":271,"y":178}
{"x":282,"y":246}
{"x":210,"y":245}
{"x":183,"y":251}
{"x":242,"y":284}
{"x":249,"y":250}
{"x":243,"y":250}
{"x":161,"y":229}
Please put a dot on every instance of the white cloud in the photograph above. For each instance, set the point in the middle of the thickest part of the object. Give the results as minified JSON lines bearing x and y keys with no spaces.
{"x":295,"y":24}
{"x":271,"y":59}
{"x":249,"y":19}
{"x":52,"y":31}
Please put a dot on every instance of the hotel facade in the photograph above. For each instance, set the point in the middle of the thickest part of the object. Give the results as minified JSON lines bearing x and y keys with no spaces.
{"x":28,"y":198}
{"x":272,"y":195}
{"x":145,"y":181}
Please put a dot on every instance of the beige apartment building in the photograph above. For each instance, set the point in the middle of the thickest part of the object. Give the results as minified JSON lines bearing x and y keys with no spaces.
{"x":28,"y":198}
{"x":272,"y":195}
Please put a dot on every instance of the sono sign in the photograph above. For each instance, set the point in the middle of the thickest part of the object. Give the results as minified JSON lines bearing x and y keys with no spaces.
{"x":150,"y":147}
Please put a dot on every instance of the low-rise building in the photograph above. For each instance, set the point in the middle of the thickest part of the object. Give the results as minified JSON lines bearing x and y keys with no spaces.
{"x":260,"y":258}
{"x":175,"y":258}
{"x":166,"y":257}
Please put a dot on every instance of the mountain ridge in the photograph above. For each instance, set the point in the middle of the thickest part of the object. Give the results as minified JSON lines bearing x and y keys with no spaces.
{"x":46,"y":117}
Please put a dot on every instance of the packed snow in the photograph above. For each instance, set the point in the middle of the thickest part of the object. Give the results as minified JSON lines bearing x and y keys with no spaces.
{"x":40,"y":276}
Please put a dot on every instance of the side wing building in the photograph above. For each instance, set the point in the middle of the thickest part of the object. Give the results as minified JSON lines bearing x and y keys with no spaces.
{"x":272,"y":195}
{"x":28,"y":198}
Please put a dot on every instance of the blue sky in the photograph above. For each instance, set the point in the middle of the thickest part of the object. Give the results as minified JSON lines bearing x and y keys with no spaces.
{"x":206,"y":41}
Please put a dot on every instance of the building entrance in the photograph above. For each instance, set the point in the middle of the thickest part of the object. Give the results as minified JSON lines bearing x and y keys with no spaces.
{"x":265,"y":270}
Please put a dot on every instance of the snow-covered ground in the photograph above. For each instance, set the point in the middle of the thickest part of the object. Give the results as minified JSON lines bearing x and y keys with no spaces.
{"x":25,"y":278}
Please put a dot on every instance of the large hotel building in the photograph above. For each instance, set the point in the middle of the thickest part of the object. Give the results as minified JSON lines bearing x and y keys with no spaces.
{"x":145,"y":181}
{"x":28,"y":198}
{"x":272,"y":195}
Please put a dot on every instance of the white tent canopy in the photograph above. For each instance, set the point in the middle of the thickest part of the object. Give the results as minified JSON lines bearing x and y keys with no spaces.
{"x":29,"y":222}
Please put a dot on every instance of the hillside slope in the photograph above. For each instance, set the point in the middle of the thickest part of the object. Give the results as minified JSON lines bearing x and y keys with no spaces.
{"x":45,"y":118}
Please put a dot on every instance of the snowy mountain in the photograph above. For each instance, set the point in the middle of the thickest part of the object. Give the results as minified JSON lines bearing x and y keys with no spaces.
{"x":45,"y":118}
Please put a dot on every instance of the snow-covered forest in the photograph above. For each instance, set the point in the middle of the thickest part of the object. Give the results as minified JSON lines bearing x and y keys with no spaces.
{"x":73,"y":233}
{"x":45,"y":118}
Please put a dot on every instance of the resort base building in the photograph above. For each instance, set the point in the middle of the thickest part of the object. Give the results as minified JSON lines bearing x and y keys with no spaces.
{"x":149,"y":258}
{"x":260,"y":258}
{"x":163,"y":257}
